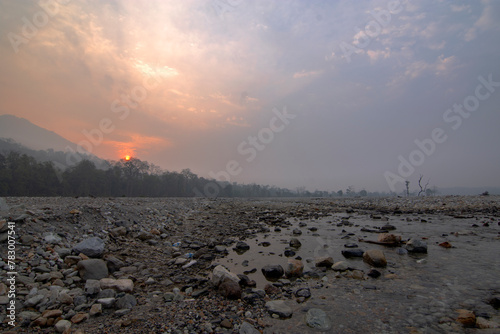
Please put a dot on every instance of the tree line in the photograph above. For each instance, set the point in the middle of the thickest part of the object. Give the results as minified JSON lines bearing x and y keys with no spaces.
{"x":23,"y":175}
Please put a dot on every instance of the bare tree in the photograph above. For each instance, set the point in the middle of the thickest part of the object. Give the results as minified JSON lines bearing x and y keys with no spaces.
{"x":424,"y":188}
{"x":407,"y":183}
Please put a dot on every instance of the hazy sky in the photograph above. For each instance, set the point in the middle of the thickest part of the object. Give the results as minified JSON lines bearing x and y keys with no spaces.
{"x":322,"y":94}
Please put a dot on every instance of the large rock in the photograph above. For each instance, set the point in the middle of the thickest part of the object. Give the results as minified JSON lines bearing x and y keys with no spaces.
{"x":92,"y":247}
{"x":280,"y":308}
{"x":92,"y":269}
{"x":294,"y":268}
{"x":375,"y":257}
{"x":416,"y":246}
{"x":273,"y":271}
{"x":241,"y":246}
{"x":220,"y":273}
{"x":325,"y":261}
{"x":230,"y":289}
{"x":317,"y":319}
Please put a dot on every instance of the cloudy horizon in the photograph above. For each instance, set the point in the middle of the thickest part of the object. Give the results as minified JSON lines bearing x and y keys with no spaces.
{"x":324,"y":95}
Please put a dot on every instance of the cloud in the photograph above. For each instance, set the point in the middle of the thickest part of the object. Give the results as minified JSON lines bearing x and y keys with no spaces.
{"x":304,"y":73}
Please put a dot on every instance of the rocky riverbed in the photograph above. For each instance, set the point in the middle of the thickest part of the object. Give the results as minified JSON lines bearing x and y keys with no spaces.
{"x":156,"y":265}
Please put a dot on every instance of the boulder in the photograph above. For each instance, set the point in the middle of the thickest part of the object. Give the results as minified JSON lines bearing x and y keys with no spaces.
{"x":92,"y":269}
{"x":375,"y":257}
{"x":92,"y":247}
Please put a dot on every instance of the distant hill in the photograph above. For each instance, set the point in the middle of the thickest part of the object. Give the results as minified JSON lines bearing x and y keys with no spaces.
{"x":20,"y":135}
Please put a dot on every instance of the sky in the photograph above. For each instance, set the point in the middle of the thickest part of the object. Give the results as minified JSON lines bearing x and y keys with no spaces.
{"x":316,"y":94}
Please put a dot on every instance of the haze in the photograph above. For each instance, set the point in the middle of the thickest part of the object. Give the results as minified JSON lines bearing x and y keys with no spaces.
{"x":321,"y":94}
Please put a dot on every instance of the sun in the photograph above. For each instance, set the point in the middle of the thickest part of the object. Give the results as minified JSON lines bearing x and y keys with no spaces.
{"x":127,"y":157}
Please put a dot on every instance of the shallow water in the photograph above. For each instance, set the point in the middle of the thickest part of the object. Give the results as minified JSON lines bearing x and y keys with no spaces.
{"x":427,"y":288}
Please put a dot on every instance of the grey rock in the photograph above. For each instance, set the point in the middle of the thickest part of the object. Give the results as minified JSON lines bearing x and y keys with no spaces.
{"x":107,"y":302}
{"x":106,"y":293}
{"x":52,"y":238}
{"x":340,"y":266}
{"x":92,"y":247}
{"x":354,"y":252}
{"x":127,"y":301}
{"x":317,"y":319}
{"x":92,"y":287}
{"x":246,"y":328}
{"x":295,"y":243}
{"x":241,"y":246}
{"x":33,"y":301}
{"x":416,"y":246}
{"x":62,"y":326}
{"x":92,"y":269}
{"x":325,"y":261}
{"x":375,"y":257}
{"x":303,"y":292}
{"x":279,"y":307}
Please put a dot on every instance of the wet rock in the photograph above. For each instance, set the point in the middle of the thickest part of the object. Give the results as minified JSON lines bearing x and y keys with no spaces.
{"x":466,"y":317}
{"x":401,"y":251}
{"x":388,"y":227}
{"x":375,"y":257}
{"x":295,"y":243}
{"x":340,"y":266}
{"x":220,"y":249}
{"x":62,"y":326}
{"x":351,"y":245}
{"x":246,"y":281}
{"x":445,"y":244}
{"x":416,"y":246}
{"x":325,"y":261}
{"x":92,"y":269}
{"x":230,"y":289}
{"x":92,"y":247}
{"x":353,"y":252}
{"x":273,"y":272}
{"x":241,"y":246}
{"x":317,"y":319}
{"x":280,"y":308}
{"x":294,"y":268}
{"x":126,"y":302}
{"x":246,"y":328}
{"x":297,"y":232}
{"x":289,"y":253}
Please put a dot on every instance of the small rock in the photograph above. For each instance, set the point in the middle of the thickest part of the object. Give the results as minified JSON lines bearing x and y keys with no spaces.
{"x":92,"y":287}
{"x":325,"y":261}
{"x":445,"y":244}
{"x":374,"y":273}
{"x":354,"y":252}
{"x":303,"y":292}
{"x":495,"y":301}
{"x":483,"y":323}
{"x":92,"y":247}
{"x":297,"y":231}
{"x":375,"y":257}
{"x":79,"y":317}
{"x":466,"y":317}
{"x":294,"y":268}
{"x":96,"y":309}
{"x":121,"y":285}
{"x":340,"y":266}
{"x":317,"y":319}
{"x":92,"y":269}
{"x":52,"y":238}
{"x":230,"y":289}
{"x":280,"y":308}
{"x":220,"y":273}
{"x":107,"y":302}
{"x":241,"y":246}
{"x":273,"y":272}
{"x":389,"y":238}
{"x":62,"y":326}
{"x":271,"y":289}
{"x":246,"y":328}
{"x":226,"y":324}
{"x":126,"y":302}
{"x":416,"y":246}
